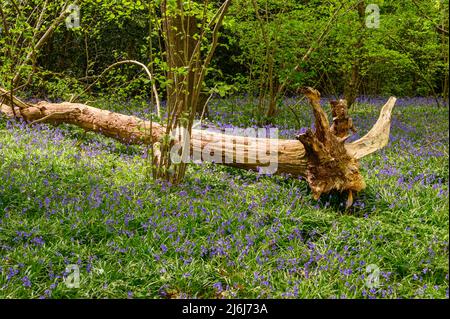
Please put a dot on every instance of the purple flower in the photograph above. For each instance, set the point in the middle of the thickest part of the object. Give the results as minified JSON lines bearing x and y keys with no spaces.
{"x":11,"y":273}
{"x":38,"y":241}
{"x":26,"y":281}
{"x":218,"y":286}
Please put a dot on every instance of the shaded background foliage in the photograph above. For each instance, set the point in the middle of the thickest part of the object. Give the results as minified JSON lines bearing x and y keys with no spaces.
{"x":405,"y":56}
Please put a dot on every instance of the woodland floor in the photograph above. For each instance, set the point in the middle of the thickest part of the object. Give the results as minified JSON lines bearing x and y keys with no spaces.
{"x":72,"y":198}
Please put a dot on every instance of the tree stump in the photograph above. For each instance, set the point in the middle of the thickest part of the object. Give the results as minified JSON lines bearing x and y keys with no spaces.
{"x":330,"y":166}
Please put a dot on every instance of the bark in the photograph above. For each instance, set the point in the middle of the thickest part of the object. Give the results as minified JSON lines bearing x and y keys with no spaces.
{"x":180,"y":42}
{"x":323,"y":158}
{"x":352,"y":86}
{"x":330,"y":166}
{"x":342,"y":123}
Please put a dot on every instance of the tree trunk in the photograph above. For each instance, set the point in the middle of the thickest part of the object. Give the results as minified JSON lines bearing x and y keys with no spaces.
{"x":327,"y":162}
{"x":352,"y":87}
{"x":180,"y":42}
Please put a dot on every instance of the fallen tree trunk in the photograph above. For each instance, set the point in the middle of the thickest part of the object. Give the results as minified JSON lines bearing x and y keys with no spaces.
{"x":327,"y":162}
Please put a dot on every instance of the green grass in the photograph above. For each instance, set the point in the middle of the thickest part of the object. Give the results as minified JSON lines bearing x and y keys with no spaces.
{"x":72,"y":198}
